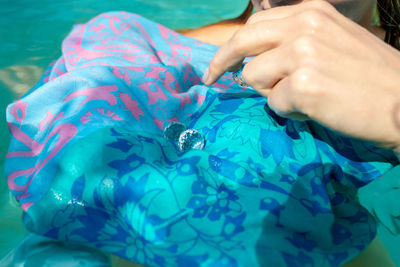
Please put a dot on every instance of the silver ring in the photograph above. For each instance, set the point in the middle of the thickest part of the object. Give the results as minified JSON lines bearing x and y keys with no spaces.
{"x":238,"y":76}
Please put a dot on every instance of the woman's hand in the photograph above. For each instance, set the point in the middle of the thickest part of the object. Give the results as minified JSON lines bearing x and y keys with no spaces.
{"x":312,"y":61}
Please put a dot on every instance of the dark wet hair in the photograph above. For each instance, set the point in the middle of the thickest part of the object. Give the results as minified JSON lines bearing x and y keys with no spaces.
{"x":389,"y":16}
{"x":246,"y":13}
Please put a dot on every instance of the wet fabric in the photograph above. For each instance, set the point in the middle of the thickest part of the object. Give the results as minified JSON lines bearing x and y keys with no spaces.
{"x":37,"y":250}
{"x":90,"y":163}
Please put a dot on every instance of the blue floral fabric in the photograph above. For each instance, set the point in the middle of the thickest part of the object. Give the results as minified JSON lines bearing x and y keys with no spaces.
{"x":90,"y":164}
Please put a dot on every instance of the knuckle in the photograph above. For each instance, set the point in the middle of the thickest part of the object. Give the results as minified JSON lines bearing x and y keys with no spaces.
{"x":253,"y":18}
{"x":304,"y":45}
{"x":321,"y":5}
{"x":313,"y":20}
{"x":248,"y":75}
{"x":280,"y":106}
{"x":237,"y":42}
{"x":301,"y":81}
{"x":253,"y":77}
{"x":304,"y":90}
{"x":305,"y":50}
{"x":215,"y":64}
{"x":258,"y":16}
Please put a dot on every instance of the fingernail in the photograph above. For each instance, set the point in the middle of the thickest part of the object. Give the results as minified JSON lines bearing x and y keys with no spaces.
{"x":205,"y":76}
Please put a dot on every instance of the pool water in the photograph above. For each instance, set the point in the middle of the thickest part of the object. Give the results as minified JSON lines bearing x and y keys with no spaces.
{"x":31,"y":33}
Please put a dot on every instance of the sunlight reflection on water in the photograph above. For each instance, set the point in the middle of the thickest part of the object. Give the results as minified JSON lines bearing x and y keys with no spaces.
{"x":31,"y":33}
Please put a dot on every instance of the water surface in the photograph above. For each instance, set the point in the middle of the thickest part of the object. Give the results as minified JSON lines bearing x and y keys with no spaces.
{"x":31,"y":33}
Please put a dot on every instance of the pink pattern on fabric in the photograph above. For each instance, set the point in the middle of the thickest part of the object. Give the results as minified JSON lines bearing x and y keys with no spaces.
{"x":19,"y":107}
{"x":120,"y":48}
{"x":153,"y":96}
{"x":159,"y":123}
{"x":89,"y":116}
{"x":113,"y":59}
{"x":200,"y":98}
{"x":122,"y":27}
{"x":46,"y":120}
{"x":102,"y":92}
{"x":21,"y":188}
{"x":75,"y":48}
{"x":131,"y":105}
{"x":97,"y":28}
{"x":65,"y":132}
{"x":25,"y":206}
{"x":155,"y":72}
{"x":143,"y":32}
{"x":35,"y":147}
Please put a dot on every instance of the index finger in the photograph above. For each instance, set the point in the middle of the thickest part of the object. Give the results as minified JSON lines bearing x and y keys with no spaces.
{"x":265,"y":31}
{"x":250,"y":40}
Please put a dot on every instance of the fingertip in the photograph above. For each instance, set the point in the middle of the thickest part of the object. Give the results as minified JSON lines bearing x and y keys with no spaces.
{"x":205,"y":76}
{"x":210,"y":77}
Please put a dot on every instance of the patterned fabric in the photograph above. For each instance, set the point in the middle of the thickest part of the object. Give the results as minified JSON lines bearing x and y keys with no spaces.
{"x":89,"y":163}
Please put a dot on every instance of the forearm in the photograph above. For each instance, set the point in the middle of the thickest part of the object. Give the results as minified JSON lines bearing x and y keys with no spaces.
{"x":215,"y":34}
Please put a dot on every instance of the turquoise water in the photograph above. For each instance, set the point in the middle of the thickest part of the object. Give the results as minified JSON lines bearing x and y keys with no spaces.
{"x":31,"y":33}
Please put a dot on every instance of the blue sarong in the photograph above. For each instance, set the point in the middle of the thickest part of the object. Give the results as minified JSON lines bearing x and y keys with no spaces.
{"x":91,"y":164}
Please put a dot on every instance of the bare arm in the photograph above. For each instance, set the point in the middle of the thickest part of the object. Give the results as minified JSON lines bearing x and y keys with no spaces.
{"x":216,"y":34}
{"x":221,"y":32}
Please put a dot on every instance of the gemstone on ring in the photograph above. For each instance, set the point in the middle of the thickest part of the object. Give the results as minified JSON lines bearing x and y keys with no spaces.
{"x":238,"y":76}
{"x":174,"y":130}
{"x":191,"y":139}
